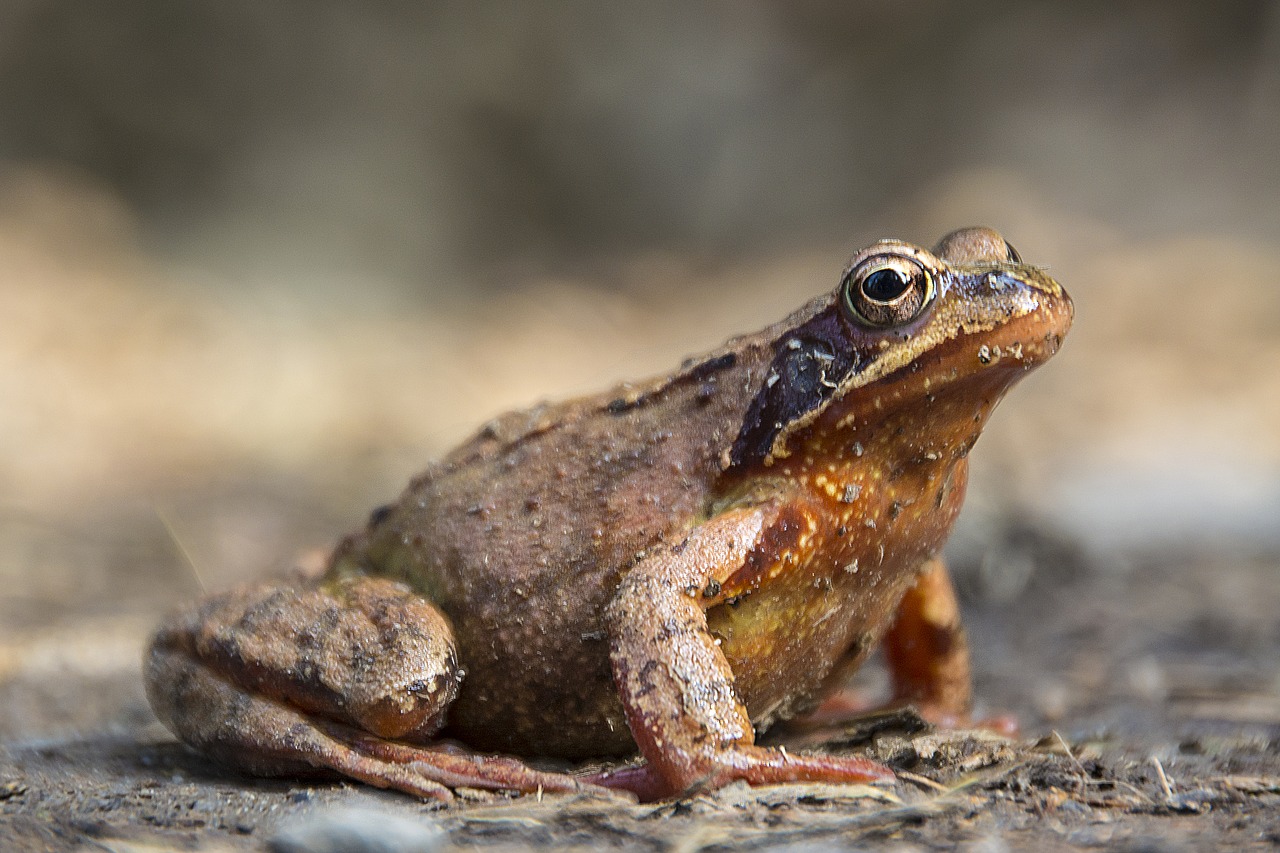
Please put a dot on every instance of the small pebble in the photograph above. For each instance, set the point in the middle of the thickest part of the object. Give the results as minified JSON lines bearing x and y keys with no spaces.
{"x":357,"y":830}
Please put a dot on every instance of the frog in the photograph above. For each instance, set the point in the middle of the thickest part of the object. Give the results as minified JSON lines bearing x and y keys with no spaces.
{"x":663,"y":570}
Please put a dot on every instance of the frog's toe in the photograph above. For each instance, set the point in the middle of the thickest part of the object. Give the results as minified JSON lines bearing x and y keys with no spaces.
{"x":769,"y":766}
{"x":639,"y":779}
{"x":1003,"y":724}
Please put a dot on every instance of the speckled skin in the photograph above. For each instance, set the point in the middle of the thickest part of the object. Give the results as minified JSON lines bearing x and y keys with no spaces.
{"x":665,"y":565}
{"x":522,"y":534}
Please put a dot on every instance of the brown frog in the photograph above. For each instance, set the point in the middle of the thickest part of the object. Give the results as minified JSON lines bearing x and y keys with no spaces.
{"x":669,"y":566}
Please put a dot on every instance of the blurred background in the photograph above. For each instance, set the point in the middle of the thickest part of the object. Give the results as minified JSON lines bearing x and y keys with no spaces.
{"x":259,"y":262}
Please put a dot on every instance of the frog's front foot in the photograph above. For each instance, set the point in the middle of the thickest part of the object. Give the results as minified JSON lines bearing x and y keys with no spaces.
{"x":344,"y":677}
{"x":754,"y":765}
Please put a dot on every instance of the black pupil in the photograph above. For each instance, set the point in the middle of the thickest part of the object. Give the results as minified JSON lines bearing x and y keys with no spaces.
{"x":885,"y":285}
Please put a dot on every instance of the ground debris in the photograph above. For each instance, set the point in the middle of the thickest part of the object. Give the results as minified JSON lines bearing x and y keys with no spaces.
{"x":1253,"y":785}
{"x":12,"y":788}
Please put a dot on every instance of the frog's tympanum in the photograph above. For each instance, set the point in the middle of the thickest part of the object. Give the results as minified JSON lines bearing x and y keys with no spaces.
{"x":666,"y":568}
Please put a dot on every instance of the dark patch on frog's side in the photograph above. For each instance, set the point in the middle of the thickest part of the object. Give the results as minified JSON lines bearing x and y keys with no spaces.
{"x":809,"y":365}
{"x":698,"y":372}
{"x":690,"y":372}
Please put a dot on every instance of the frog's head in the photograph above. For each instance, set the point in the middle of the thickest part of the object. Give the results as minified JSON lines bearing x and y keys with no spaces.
{"x":909,"y":331}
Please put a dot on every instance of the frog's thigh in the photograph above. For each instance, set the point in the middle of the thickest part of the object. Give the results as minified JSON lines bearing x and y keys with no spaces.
{"x":260,"y":735}
{"x":255,"y":677}
{"x":926,"y":649}
{"x":365,"y":651}
{"x":675,"y":683}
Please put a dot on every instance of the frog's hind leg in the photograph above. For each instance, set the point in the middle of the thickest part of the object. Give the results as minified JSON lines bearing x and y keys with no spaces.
{"x":926,"y":649}
{"x":272,"y":739}
{"x":259,"y":735}
{"x":282,"y":681}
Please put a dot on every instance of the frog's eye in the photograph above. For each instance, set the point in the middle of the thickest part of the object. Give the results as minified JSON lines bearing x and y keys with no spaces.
{"x":1012,"y":252}
{"x":887,"y":290}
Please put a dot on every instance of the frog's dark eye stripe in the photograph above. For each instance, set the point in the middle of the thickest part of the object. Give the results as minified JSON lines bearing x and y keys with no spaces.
{"x":809,"y":366}
{"x":886,"y":290}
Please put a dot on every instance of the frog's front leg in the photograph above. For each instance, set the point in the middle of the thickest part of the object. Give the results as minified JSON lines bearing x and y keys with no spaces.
{"x":676,"y":684}
{"x":285,"y":680}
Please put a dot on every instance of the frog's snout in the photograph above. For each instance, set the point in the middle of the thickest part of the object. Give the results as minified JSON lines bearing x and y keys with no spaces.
{"x":1064,"y":312}
{"x":1046,"y":316}
{"x":1057,"y":309}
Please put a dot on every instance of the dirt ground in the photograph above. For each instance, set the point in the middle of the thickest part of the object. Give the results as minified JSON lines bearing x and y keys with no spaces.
{"x":1147,"y":698}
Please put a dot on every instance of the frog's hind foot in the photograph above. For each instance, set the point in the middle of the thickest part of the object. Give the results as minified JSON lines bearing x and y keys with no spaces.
{"x":457,"y":768}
